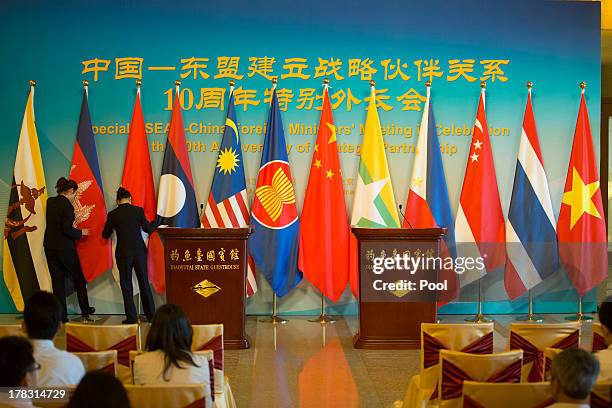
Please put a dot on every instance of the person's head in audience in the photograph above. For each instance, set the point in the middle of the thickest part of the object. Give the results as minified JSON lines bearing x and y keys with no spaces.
{"x":573,"y":373}
{"x":42,"y":316}
{"x":17,"y":365}
{"x":171,"y":333}
{"x":98,"y":389}
{"x":605,"y":318}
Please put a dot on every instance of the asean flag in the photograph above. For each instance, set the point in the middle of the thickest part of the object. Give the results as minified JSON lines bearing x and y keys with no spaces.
{"x":274,"y":242}
{"x":89,"y":207}
{"x":176,"y":199}
{"x":581,"y":229}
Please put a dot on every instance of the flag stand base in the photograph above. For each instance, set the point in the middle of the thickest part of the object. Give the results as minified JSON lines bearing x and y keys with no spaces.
{"x":530,"y":318}
{"x":274,"y":319}
{"x":579,"y":317}
{"x":479,"y":318}
{"x":323,"y":318}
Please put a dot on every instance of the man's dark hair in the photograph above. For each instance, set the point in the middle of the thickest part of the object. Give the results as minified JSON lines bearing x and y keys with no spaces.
{"x":605,"y":313}
{"x":123,"y":193}
{"x":16,"y":360}
{"x":98,"y":389}
{"x":576,"y":371}
{"x":42,"y":315}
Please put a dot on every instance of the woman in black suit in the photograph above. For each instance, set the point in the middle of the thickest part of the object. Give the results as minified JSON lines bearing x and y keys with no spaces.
{"x":60,"y":246}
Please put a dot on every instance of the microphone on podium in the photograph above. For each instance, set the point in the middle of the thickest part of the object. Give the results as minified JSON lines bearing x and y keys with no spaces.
{"x":403,"y":214}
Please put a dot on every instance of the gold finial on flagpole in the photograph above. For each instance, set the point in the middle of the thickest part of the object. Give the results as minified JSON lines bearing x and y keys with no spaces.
{"x":372,"y":83}
{"x":86,"y":87}
{"x":583,"y":86}
{"x":85,"y":83}
{"x":232,"y":83}
{"x":529,"y":84}
{"x":32,"y":83}
{"x":138,"y":83}
{"x":326,"y":81}
{"x":177,"y":82}
{"x":428,"y":84}
{"x":274,"y":81}
{"x":483,"y":84}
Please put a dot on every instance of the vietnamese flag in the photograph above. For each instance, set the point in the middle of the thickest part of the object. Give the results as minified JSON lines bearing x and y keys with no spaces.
{"x":89,"y":207}
{"x":324,"y":235}
{"x":581,"y":228}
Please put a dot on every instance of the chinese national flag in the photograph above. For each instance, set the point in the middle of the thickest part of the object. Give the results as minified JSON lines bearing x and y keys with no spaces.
{"x":581,"y":229}
{"x":324,"y":233}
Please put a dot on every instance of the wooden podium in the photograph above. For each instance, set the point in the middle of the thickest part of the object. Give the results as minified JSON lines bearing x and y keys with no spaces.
{"x":206,"y":276}
{"x":391,"y":319}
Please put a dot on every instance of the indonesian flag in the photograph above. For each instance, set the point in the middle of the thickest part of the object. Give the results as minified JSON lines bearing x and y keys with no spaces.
{"x":581,"y":229}
{"x":324,"y":236}
{"x":479,"y":227}
{"x":89,"y":207}
{"x":138,"y":176}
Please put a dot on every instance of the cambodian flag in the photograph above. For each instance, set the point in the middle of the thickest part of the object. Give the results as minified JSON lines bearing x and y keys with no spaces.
{"x":274,"y":242}
{"x":89,"y":207}
{"x":428,"y":204}
{"x":531,"y":240}
{"x":176,"y":199}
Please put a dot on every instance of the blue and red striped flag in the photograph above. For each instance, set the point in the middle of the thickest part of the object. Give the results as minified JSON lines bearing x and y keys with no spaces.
{"x":89,"y":207}
{"x":176,"y":200}
{"x":274,"y":242}
{"x":531,"y":240}
{"x":227,"y":205}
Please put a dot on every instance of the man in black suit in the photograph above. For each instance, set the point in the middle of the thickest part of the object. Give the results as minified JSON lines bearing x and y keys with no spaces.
{"x":128,"y":221}
{"x":60,"y":246}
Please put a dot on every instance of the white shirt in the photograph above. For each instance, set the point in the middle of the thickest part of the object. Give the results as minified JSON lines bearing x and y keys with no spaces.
{"x":149,"y":369}
{"x":6,"y":402}
{"x":605,"y":364}
{"x":57,"y":367}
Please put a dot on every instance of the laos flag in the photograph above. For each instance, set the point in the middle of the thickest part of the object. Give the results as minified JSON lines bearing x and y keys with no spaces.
{"x":275,"y":239}
{"x":176,"y":199}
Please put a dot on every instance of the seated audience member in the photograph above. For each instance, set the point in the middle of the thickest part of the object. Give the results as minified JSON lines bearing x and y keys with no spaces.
{"x":169,"y":358}
{"x":42,"y":316}
{"x":573,"y":373}
{"x":605,"y":356}
{"x":17,"y":369}
{"x":99,"y":390}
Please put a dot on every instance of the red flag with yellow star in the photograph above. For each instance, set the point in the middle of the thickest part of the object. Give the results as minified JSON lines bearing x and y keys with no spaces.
{"x":324,"y":233}
{"x":581,"y":228}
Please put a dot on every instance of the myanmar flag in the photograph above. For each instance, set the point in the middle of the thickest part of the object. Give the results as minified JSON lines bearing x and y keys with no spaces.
{"x":24,"y":265}
{"x":374,"y":202}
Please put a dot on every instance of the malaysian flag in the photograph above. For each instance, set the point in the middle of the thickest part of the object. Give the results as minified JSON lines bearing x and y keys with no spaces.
{"x":227,"y":205}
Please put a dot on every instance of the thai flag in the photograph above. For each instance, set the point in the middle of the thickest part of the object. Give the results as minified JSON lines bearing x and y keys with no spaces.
{"x":428,"y":204}
{"x":530,"y":230}
{"x":227,"y":205}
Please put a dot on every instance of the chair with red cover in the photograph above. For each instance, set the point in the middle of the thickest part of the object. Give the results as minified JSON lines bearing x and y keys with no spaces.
{"x":466,"y":337}
{"x":534,"y":338}
{"x":457,"y":367}
{"x":91,"y":337}
{"x":506,"y":395}
{"x":99,"y":360}
{"x":601,"y":395}
{"x":167,"y":395}
{"x":599,"y":342}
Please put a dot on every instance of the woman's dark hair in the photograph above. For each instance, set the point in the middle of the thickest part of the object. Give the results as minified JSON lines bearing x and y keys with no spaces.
{"x":171,"y":332}
{"x":98,"y":389}
{"x":123,"y":193}
{"x":64,"y":184}
{"x":605,"y":313}
{"x":16,"y":360}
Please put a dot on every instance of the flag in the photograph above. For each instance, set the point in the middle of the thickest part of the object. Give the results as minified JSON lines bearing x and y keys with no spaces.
{"x":227,"y":205}
{"x":137,"y":175}
{"x":24,"y":265}
{"x":324,"y":232}
{"x":89,"y":206}
{"x":176,"y":200}
{"x":531,"y":241}
{"x":479,"y":227}
{"x":428,"y":204}
{"x":274,"y":242}
{"x":581,"y":228}
{"x":373,"y":202}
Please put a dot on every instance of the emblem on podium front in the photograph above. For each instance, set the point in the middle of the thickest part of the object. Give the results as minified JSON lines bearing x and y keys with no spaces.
{"x":206,"y":288}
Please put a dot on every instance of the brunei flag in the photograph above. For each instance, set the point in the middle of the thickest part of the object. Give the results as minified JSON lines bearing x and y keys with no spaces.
{"x":23,"y":262}
{"x":274,"y":242}
{"x":374,"y":202}
{"x":176,"y":200}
